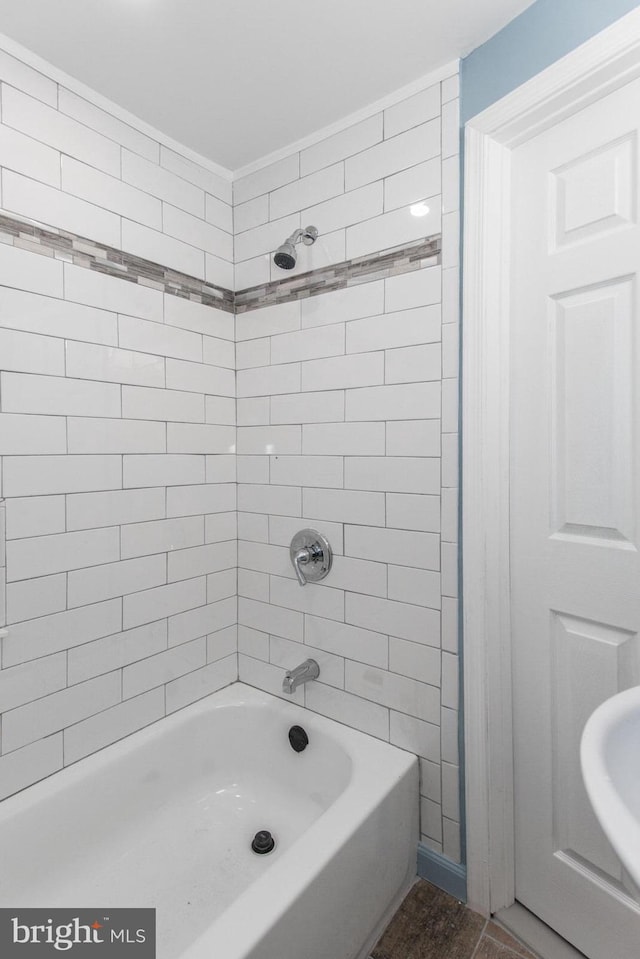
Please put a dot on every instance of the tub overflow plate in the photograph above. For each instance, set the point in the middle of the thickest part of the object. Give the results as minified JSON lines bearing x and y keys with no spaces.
{"x":298,"y":738}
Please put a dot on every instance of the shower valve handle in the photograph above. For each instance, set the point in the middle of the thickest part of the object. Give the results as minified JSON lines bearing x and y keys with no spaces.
{"x":301,"y":557}
{"x":310,"y":555}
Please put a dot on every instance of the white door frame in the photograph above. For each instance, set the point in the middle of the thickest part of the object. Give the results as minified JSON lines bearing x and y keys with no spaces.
{"x":599,"y":66}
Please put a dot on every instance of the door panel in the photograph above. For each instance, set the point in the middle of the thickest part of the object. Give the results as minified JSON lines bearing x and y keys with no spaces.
{"x":604,"y":176}
{"x":592,"y":340}
{"x":575,"y":486}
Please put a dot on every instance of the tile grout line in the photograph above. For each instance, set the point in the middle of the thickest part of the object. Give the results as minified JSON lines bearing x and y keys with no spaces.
{"x":521,"y":950}
{"x":480,"y":938}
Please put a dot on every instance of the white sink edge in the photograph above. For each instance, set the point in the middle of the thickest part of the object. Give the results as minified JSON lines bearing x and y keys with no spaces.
{"x":620,"y":825}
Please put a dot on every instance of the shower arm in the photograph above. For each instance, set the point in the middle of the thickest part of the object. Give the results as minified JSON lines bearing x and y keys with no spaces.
{"x":296,"y":236}
{"x":308,"y":235}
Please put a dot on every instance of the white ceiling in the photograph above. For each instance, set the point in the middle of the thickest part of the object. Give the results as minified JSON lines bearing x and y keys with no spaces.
{"x":238,"y":79}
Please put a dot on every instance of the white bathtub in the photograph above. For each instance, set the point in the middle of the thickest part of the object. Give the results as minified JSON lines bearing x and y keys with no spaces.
{"x":165,"y":818}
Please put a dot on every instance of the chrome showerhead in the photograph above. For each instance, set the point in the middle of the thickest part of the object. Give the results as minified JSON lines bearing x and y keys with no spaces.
{"x":285,"y":256}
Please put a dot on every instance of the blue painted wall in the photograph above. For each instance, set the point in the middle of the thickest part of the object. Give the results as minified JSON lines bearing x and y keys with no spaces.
{"x":542,"y":34}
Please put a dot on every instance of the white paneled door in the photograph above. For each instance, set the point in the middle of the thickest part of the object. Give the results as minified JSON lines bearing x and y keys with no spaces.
{"x":575,"y":476}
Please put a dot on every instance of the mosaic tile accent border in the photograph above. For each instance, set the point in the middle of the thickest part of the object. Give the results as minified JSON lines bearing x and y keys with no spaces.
{"x":80,"y":251}
{"x":91,"y":255}
{"x":364,"y":269}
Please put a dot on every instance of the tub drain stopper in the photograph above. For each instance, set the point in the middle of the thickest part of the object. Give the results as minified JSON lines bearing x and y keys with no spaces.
{"x":263,"y":842}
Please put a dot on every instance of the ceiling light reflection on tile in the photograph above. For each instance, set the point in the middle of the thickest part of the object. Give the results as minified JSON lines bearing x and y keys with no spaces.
{"x":419,"y":209}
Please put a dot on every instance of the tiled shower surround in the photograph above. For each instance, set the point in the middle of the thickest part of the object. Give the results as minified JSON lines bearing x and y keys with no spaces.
{"x":118,"y":398}
{"x":117,"y":430}
{"x":347,"y":423}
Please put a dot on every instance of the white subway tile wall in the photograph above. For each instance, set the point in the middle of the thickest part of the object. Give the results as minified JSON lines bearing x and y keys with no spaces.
{"x":356,"y":186}
{"x":126,"y":567}
{"x":117,"y":438}
{"x":348,"y":422}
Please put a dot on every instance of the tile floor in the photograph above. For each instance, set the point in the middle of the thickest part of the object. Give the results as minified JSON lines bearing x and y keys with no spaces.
{"x":430,"y":924}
